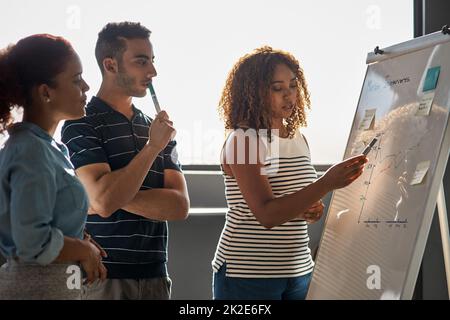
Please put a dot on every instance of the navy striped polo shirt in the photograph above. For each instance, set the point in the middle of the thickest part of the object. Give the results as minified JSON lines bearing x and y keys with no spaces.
{"x":136,"y":246}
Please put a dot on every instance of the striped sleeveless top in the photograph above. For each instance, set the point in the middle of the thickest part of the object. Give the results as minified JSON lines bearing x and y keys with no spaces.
{"x":249,"y":249}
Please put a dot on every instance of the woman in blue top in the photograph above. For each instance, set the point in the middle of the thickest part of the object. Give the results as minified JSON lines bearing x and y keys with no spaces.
{"x":43,"y":206}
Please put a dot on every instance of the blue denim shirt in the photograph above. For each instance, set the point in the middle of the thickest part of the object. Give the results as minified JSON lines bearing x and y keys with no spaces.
{"x":41,"y":199}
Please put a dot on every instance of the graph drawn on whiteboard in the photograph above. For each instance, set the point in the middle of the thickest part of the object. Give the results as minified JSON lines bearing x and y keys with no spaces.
{"x":386,"y":162}
{"x":391,"y":161}
{"x":381,"y":221}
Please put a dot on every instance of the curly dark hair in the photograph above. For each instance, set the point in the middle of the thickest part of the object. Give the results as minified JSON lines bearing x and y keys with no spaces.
{"x":34,"y":60}
{"x":245,"y":98}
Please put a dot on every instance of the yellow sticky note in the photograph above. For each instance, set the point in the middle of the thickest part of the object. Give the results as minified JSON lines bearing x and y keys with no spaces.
{"x":419,"y":174}
{"x":425,"y":104}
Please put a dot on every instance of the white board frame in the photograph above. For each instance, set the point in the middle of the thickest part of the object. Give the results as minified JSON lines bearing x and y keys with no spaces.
{"x":443,"y":155}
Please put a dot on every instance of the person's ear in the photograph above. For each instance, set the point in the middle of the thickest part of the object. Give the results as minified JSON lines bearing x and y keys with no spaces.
{"x":44,"y":93}
{"x":110,"y":65}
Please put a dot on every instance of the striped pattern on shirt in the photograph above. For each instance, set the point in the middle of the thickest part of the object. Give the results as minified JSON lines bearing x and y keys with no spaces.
{"x":136,"y":246}
{"x":252,"y":251}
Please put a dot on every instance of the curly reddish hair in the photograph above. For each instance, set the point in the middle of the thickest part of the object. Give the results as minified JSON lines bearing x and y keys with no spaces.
{"x":245,"y":99}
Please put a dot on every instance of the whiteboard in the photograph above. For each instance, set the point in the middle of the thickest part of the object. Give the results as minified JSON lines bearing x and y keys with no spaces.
{"x":376,"y":229}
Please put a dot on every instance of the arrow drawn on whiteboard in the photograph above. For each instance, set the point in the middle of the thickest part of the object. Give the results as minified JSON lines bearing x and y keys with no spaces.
{"x":403,"y":193}
{"x":340,"y":213}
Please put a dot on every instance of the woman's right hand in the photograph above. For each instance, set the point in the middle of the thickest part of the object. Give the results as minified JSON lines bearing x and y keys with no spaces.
{"x":92,"y":262}
{"x":161,"y":131}
{"x":344,"y":173}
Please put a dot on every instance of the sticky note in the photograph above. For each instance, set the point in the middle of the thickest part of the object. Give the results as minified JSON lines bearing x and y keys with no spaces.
{"x":431,"y":79}
{"x":419,"y":174}
{"x":424,"y":107}
{"x":368,"y":121}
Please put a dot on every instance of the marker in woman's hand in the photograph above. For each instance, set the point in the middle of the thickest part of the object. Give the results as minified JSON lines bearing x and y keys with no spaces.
{"x":155,"y":100}
{"x":369,"y":146}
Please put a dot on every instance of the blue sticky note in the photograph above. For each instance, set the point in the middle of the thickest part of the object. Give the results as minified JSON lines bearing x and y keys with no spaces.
{"x":431,"y":79}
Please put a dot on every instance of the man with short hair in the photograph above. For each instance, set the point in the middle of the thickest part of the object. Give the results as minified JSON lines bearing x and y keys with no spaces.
{"x":128,"y":164}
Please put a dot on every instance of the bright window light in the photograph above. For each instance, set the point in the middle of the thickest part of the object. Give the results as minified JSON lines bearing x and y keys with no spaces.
{"x":196,"y":43}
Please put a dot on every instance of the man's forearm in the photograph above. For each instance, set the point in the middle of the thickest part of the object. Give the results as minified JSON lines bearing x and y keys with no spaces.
{"x":120,"y":186}
{"x":160,"y":204}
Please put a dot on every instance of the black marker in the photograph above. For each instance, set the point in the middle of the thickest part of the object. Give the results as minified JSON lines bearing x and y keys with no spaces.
{"x":369,"y":146}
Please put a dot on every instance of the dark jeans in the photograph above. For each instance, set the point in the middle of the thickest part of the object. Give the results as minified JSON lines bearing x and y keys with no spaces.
{"x":228,"y":288}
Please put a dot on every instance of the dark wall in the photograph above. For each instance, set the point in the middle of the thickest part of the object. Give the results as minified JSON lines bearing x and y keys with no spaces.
{"x":430,"y":16}
{"x":433,"y":277}
{"x":437,"y":14}
{"x":192,"y":244}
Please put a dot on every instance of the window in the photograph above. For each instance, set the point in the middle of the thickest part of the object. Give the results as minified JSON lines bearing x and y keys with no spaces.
{"x":196,"y":43}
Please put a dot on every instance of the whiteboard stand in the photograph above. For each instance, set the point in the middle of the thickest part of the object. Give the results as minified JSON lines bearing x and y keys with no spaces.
{"x":445,"y":236}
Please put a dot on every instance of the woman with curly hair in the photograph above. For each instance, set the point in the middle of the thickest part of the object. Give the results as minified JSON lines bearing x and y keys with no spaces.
{"x":271,"y":187}
{"x":43,"y":206}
